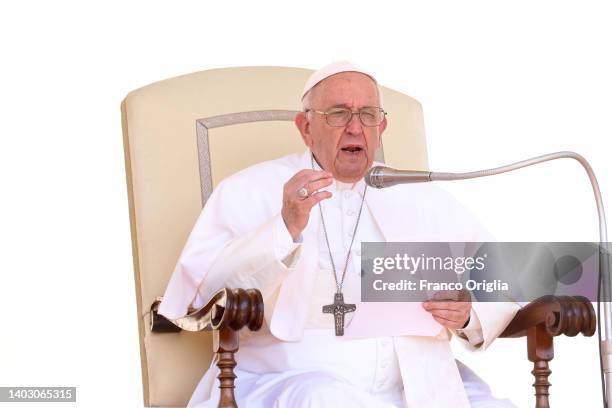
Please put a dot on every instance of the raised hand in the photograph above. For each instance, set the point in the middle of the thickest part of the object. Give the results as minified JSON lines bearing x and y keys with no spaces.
{"x":450,"y":308}
{"x":300,"y":195}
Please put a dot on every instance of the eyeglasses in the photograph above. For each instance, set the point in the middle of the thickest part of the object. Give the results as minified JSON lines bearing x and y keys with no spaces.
{"x":339,"y":117}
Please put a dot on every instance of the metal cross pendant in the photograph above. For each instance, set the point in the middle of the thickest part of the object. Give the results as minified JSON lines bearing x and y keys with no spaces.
{"x":339,"y":309}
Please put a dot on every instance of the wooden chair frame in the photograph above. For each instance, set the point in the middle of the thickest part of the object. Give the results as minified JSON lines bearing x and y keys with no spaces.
{"x":232,"y":309}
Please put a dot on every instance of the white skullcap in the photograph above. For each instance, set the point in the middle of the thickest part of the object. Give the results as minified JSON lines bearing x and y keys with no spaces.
{"x":332,"y":69}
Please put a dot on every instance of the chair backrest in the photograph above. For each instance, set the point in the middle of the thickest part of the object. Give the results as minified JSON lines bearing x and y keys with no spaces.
{"x":181,"y":137}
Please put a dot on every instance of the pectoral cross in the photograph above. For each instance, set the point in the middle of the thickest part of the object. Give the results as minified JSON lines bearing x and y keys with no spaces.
{"x":339,"y":309}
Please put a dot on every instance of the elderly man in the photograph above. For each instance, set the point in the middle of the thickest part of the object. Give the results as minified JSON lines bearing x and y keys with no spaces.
{"x":292,"y":228}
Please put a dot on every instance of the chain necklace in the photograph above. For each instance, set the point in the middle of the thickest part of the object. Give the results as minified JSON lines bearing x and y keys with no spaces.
{"x":339,"y":308}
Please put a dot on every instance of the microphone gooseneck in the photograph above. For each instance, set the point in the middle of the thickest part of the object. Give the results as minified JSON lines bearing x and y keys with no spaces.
{"x":381,"y":177}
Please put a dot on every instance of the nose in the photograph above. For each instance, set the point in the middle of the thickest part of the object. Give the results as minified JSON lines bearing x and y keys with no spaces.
{"x":354,"y":125}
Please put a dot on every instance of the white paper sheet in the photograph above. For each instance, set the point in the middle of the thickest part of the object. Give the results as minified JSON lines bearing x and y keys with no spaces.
{"x":381,"y":319}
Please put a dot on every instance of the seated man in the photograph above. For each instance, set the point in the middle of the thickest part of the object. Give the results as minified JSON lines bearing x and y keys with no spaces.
{"x":293,"y":228}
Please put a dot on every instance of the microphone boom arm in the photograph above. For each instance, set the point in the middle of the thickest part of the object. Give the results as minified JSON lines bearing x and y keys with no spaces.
{"x":381,"y":177}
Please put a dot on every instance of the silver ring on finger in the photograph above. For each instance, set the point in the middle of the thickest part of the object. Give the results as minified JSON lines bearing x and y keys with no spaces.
{"x":303,"y":193}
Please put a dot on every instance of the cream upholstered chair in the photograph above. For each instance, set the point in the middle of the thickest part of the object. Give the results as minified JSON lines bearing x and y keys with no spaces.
{"x":170,"y":129}
{"x":185,"y":134}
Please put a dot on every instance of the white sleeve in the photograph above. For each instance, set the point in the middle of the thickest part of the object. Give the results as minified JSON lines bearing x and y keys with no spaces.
{"x":250,"y":261}
{"x":472,"y":333}
{"x":225,"y":250}
{"x":284,"y":246}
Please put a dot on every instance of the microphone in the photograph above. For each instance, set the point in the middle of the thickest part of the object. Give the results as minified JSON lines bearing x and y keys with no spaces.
{"x":381,"y":176}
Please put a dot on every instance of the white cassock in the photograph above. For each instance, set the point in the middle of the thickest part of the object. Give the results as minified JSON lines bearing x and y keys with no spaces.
{"x":240,"y":241}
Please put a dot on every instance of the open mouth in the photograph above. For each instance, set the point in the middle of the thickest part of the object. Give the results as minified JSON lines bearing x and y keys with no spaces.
{"x":353,"y":149}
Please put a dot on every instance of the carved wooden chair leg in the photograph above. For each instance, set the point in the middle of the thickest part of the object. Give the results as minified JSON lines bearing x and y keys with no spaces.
{"x":540,"y":351}
{"x":225,"y":344}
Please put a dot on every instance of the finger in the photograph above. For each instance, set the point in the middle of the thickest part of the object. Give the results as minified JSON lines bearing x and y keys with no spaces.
{"x":306,"y":176}
{"x":292,"y":188}
{"x":303,"y":180}
{"x":318,"y":184}
{"x":447,"y":306}
{"x":457,"y":295}
{"x":316,"y":198}
{"x":450,"y":315}
{"x":447,"y":323}
{"x":447,"y":295}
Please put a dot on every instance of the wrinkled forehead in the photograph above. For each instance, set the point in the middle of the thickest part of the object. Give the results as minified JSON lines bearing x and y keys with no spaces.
{"x":345,"y":89}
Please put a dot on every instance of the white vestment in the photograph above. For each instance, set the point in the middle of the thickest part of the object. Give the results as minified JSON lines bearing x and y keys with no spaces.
{"x":240,"y":240}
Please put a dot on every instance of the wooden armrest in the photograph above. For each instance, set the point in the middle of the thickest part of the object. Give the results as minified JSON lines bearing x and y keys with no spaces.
{"x":228,"y":308}
{"x":541,"y":321}
{"x":568,"y":315}
{"x":228,"y":311}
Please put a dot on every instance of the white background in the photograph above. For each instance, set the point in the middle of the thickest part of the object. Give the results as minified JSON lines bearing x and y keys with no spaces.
{"x":499,"y":82}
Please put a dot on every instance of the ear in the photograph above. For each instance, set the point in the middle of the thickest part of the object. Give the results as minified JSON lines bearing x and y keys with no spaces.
{"x":381,"y":129}
{"x":303,"y":125}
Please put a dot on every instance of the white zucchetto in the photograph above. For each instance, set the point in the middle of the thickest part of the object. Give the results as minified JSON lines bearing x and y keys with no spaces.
{"x":332,"y":69}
